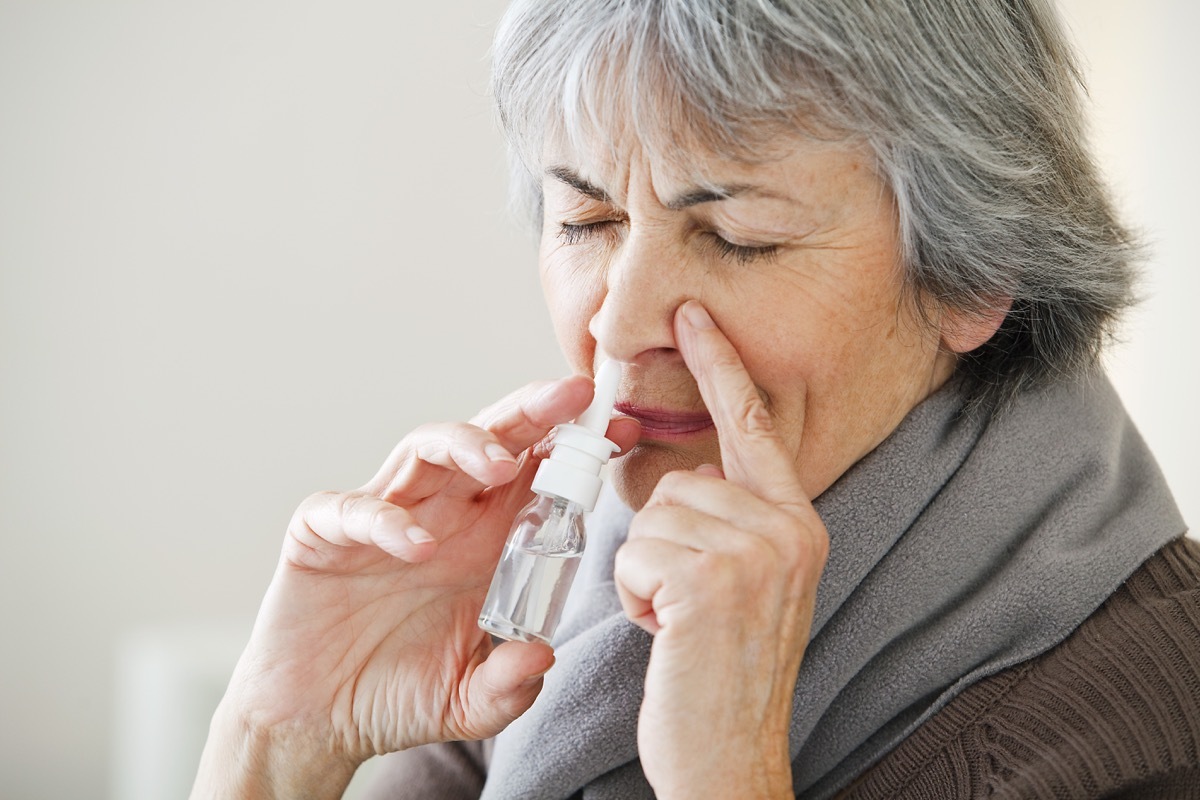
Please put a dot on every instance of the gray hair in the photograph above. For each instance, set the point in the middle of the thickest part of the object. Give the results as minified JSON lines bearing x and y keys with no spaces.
{"x":971,"y":107}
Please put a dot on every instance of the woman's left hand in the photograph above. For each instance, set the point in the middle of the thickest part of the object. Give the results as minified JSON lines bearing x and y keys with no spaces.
{"x":722,"y":568}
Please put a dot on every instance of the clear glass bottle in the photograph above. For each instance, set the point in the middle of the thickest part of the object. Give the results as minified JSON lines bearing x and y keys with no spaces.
{"x":541,"y":557}
{"x":529,"y":589}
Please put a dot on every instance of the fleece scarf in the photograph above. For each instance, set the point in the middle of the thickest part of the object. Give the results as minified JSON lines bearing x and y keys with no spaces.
{"x":962,"y":545}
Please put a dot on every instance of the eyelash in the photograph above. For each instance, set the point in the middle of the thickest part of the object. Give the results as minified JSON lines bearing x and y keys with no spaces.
{"x":573,"y":234}
{"x":742,"y":254}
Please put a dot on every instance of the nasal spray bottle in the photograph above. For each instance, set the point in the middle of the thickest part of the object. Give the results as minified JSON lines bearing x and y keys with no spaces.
{"x":541,"y":557}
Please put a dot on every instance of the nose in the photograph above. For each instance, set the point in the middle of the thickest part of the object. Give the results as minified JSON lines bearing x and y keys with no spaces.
{"x":646,"y":281}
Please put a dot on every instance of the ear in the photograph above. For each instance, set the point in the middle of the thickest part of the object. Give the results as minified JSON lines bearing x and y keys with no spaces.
{"x":963,"y":331}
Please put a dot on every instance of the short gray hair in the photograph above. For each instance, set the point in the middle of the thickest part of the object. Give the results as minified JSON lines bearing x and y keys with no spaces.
{"x":971,"y":107}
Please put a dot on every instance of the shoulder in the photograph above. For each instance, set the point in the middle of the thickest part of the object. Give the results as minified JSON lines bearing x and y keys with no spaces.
{"x":1112,"y":711}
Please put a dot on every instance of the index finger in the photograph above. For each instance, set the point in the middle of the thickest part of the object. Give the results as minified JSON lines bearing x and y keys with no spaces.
{"x":525,"y":417}
{"x":513,"y":424}
{"x":752,"y":453}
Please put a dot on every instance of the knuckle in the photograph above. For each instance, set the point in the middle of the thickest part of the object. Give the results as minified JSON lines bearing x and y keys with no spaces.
{"x":313,"y":503}
{"x":636,"y":528}
{"x":426,"y":430}
{"x":671,"y":485}
{"x":487,"y":415}
{"x":626,"y":556}
{"x":753,"y":417}
{"x":359,"y":507}
{"x":647,"y":521}
{"x":818,"y":547}
{"x":544,"y":446}
{"x":753,"y":552}
{"x":466,"y":431}
{"x":463,"y":435}
{"x":436,"y":442}
{"x":373,"y":514}
{"x":345,"y":504}
{"x":726,"y":360}
{"x":717,"y":572}
{"x":320,"y":498}
{"x":708,"y":567}
{"x":308,"y":516}
{"x":441,"y":433}
{"x":807,"y":551}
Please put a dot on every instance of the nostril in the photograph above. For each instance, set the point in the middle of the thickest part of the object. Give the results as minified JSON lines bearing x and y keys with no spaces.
{"x":624,"y":332}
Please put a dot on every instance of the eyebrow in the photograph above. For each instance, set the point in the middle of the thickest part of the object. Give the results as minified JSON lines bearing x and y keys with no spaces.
{"x":693,"y":197}
{"x":576,"y":181}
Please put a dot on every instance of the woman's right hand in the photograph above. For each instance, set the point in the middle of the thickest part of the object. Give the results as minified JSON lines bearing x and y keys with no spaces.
{"x":367,"y":640}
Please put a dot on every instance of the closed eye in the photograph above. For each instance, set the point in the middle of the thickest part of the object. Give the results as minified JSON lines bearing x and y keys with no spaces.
{"x":743,"y":254}
{"x":574,"y":233}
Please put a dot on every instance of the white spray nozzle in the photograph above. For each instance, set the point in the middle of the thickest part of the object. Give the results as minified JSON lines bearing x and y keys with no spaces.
{"x":598,"y":414}
{"x":572,"y":471}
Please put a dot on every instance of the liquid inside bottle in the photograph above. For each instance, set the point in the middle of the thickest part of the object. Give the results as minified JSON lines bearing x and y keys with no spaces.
{"x":530,"y":587}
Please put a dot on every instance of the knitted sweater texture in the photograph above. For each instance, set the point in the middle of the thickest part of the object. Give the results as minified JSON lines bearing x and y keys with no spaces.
{"x":1112,"y":712}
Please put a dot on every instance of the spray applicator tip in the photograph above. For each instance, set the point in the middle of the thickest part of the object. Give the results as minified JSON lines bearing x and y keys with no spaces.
{"x":580,"y":450}
{"x":598,"y":414}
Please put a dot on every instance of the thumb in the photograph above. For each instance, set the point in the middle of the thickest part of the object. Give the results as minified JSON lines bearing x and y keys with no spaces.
{"x":505,"y":686}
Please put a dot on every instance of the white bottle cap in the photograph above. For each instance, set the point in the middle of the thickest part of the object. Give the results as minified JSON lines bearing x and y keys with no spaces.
{"x":572,"y":471}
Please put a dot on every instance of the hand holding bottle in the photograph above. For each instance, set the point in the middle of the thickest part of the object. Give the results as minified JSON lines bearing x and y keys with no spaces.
{"x":367,"y":641}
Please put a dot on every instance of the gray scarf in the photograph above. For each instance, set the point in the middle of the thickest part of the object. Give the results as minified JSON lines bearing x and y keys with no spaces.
{"x":961,"y":546}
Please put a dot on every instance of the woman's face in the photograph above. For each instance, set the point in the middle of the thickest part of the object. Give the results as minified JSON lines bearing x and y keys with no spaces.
{"x":797,"y":261}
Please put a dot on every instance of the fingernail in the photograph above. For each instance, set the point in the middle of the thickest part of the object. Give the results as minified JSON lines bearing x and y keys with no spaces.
{"x":497,"y":452}
{"x":696,"y":316}
{"x":418,"y":535}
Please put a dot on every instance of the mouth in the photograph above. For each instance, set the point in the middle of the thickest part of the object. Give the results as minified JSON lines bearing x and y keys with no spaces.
{"x":665,"y":425}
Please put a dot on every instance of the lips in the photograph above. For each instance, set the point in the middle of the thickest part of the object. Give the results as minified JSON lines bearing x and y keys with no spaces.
{"x":667,"y":425}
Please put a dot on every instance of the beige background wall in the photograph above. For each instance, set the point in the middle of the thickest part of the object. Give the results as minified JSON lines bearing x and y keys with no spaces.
{"x":244,"y":246}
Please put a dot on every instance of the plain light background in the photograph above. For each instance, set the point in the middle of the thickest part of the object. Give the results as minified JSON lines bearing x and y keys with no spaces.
{"x":245,"y":246}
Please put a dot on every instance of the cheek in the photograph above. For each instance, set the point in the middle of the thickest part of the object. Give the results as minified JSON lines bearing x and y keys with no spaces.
{"x":573,"y":289}
{"x":832,"y":360}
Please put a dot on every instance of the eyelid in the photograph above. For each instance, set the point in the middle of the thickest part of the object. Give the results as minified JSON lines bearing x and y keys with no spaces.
{"x":572,"y":233}
{"x":742,"y":253}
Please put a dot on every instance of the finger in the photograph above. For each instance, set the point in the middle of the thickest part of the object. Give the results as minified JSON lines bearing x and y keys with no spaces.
{"x":712,"y":515}
{"x":344,"y":519}
{"x":456,"y":458}
{"x":660,"y":582}
{"x":752,"y":454}
{"x":522,"y":418}
{"x":685,"y":527}
{"x":465,"y":458}
{"x":521,"y":411}
{"x":624,"y":432}
{"x":712,"y":496}
{"x":505,"y":685}
{"x":639,"y":571}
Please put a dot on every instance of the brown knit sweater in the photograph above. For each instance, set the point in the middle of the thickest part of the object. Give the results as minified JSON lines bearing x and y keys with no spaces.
{"x":1113,"y":712}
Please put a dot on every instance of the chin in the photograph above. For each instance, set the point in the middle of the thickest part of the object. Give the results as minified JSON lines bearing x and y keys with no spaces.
{"x":635,"y":474}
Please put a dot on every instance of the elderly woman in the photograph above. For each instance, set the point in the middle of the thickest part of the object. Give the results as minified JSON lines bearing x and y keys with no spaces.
{"x":878,"y":527}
